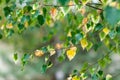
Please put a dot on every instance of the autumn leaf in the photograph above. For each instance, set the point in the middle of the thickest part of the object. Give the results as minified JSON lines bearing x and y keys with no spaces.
{"x":75,"y":78}
{"x":71,"y":53}
{"x":84,"y":43}
{"x":84,"y":21}
{"x":39,"y":53}
{"x":9,"y":26}
{"x":58,"y":45}
{"x":82,"y":11}
{"x":106,"y":30}
{"x":26,"y":24}
{"x":69,"y":34}
{"x":71,"y":3}
{"x":53,"y":12}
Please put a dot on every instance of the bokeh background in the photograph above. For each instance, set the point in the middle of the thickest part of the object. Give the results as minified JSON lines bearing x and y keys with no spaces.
{"x":34,"y":38}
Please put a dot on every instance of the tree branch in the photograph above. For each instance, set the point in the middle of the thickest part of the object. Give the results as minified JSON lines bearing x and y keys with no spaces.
{"x":88,"y":4}
{"x":100,"y":59}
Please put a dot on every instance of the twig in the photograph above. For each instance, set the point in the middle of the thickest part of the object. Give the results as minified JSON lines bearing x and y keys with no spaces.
{"x":57,"y":5}
{"x":100,"y":59}
{"x":116,"y":75}
{"x":88,"y":4}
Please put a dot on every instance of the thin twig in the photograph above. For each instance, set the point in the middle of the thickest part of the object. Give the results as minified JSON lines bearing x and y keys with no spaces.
{"x":94,"y":7}
{"x":100,"y":59}
{"x":88,"y":4}
{"x":116,"y":75}
{"x":58,"y":5}
{"x":94,"y":3}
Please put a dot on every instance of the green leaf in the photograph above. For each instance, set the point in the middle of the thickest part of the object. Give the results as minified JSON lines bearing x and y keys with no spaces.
{"x":0,"y":18}
{"x":27,"y":9}
{"x":102,"y":36}
{"x":25,"y":58}
{"x":94,"y":77}
{"x":97,"y":45}
{"x":44,"y":11}
{"x":107,"y":59}
{"x":44,"y":49}
{"x":21,"y":1}
{"x":40,"y":19}
{"x":78,"y":37}
{"x":83,"y":69}
{"x":63,"y":2}
{"x":49,"y":64}
{"x":90,"y":44}
{"x":102,"y":63}
{"x":7,"y":1}
{"x":76,"y":1}
{"x":61,"y":58}
{"x":1,"y":36}
{"x":112,"y":15}
{"x":98,"y":27}
{"x":15,"y":56}
{"x":100,"y":73}
{"x":9,"y":33}
{"x":7,"y":11}
{"x":20,"y":26}
{"x":112,"y":34}
{"x":118,"y":29}
{"x":44,"y":68}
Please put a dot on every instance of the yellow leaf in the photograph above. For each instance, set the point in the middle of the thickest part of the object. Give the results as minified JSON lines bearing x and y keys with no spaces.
{"x":69,"y":34}
{"x":9,"y":26}
{"x":26,"y":24}
{"x":39,"y":53}
{"x":84,"y":43}
{"x":75,"y":78}
{"x":106,"y":30}
{"x":108,"y":77}
{"x":71,"y":3}
{"x":71,"y":53}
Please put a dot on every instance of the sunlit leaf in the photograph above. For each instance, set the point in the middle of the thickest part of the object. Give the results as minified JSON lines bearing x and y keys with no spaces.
{"x":102,"y":36}
{"x":39,"y":53}
{"x":84,"y":43}
{"x":75,"y":78}
{"x":52,"y":52}
{"x":90,"y":44}
{"x":108,"y":77}
{"x":106,"y":30}
{"x":71,"y":53}
{"x":9,"y":26}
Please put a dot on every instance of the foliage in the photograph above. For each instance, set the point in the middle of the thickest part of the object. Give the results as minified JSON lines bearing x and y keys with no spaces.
{"x":83,"y":23}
